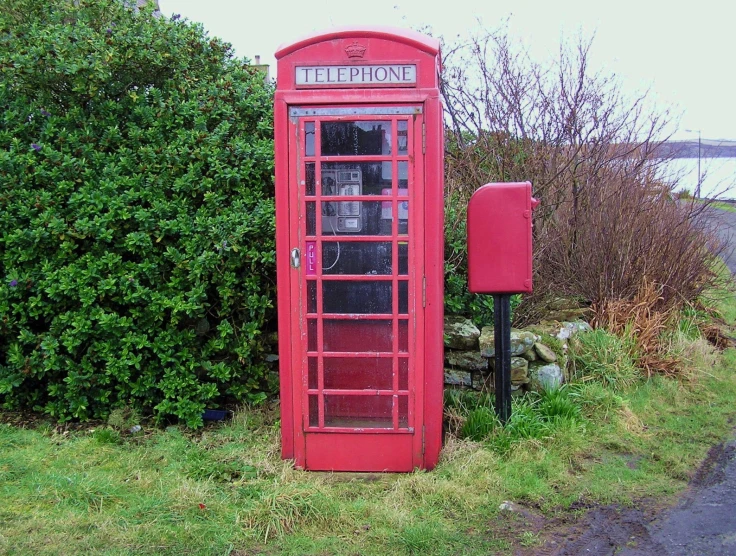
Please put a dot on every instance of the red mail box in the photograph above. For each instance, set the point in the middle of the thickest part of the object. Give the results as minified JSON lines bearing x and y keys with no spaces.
{"x":500,"y":238}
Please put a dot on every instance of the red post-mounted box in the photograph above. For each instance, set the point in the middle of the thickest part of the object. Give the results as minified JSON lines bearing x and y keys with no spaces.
{"x":500,"y":238}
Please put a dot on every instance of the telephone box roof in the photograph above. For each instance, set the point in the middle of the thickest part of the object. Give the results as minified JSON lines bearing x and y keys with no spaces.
{"x":418,"y":40}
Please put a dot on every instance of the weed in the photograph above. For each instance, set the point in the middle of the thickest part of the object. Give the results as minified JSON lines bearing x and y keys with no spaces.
{"x":421,"y":537}
{"x":124,"y":418}
{"x":529,"y":539}
{"x":558,"y":404}
{"x":689,"y":321}
{"x":107,"y":436}
{"x":605,"y":357}
{"x":596,"y":400}
{"x":479,"y":423}
{"x":526,"y":422}
{"x":281,"y":510}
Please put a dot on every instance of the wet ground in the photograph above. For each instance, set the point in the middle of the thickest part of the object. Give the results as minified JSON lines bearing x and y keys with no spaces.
{"x":703,"y":522}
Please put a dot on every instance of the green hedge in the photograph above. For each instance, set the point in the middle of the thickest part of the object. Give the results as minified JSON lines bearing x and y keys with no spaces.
{"x":136,"y":213}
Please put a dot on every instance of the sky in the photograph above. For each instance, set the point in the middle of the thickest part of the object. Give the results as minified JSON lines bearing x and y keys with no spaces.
{"x":684,"y":56}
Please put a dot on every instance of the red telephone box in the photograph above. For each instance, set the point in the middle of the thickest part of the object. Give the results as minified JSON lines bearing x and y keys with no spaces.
{"x":359,"y":241}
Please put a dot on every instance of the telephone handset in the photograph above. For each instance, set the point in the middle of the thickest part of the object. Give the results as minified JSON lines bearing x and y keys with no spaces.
{"x":342,"y":216}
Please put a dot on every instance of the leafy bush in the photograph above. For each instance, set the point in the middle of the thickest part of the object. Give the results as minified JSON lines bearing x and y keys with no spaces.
{"x":458,"y":300}
{"x":136,"y":213}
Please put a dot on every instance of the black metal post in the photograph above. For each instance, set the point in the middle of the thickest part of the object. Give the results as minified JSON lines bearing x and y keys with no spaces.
{"x":502,"y":340}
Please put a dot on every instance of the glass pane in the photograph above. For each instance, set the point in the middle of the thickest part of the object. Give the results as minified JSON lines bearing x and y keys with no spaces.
{"x":403,"y":336}
{"x":403,"y":258}
{"x":402,"y":139}
{"x":403,"y":412}
{"x":312,"y":372}
{"x":403,"y":177}
{"x":354,"y":217}
{"x":403,"y":216}
{"x":312,"y":334}
{"x":311,"y":219}
{"x":313,"y":411}
{"x":358,"y":335}
{"x":311,"y":297}
{"x":403,"y":297}
{"x":357,"y":178}
{"x":358,"y":411}
{"x":364,"y":297}
{"x":358,"y":373}
{"x":403,"y":373}
{"x":349,"y":257}
{"x":309,"y":178}
{"x":309,"y":138}
{"x":356,"y":138}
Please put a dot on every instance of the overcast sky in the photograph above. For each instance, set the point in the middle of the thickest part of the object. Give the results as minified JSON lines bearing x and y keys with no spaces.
{"x":684,"y":55}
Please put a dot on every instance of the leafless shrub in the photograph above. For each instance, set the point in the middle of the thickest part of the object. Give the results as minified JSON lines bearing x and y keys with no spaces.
{"x":607,"y":227}
{"x":622,"y":235}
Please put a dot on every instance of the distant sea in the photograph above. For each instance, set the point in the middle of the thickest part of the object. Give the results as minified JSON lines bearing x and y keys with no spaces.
{"x":718,"y":176}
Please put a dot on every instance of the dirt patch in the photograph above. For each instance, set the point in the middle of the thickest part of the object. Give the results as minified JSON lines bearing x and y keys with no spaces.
{"x":713,"y":470}
{"x":651,"y":527}
{"x":603,"y":531}
{"x":600,"y":530}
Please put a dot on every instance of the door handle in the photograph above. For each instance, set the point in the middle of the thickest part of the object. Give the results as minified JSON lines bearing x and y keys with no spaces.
{"x":295,"y":258}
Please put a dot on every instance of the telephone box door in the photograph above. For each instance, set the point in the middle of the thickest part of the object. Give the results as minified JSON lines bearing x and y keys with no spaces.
{"x":356,"y":196}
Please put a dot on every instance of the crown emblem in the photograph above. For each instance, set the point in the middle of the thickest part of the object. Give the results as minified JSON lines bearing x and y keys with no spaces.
{"x":355,"y":50}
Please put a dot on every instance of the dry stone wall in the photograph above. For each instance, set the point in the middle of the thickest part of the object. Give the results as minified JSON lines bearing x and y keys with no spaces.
{"x":538,"y":354}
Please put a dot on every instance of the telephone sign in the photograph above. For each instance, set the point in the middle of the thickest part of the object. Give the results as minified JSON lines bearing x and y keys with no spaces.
{"x":356,"y":75}
{"x":358,"y":126}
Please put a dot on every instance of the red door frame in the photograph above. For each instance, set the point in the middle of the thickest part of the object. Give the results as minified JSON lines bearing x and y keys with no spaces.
{"x":427,"y":414}
{"x":347,"y":448}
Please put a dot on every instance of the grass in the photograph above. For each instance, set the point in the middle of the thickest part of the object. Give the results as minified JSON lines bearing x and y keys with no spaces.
{"x":224,"y":490}
{"x":728,"y":207}
{"x":605,"y":357}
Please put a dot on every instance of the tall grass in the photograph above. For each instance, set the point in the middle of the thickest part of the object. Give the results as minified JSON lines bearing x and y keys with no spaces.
{"x":605,"y":357}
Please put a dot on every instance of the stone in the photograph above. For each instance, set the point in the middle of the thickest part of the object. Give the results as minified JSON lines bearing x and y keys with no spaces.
{"x":468,"y":360}
{"x":545,"y":353}
{"x":530,"y":355}
{"x":519,"y":370}
{"x":560,"y":330}
{"x":486,"y":384}
{"x":571,"y":314}
{"x":519,"y":376}
{"x":483,"y":382}
{"x":582,"y":326}
{"x":460,"y":333}
{"x":458,"y":378}
{"x":544,"y":327}
{"x":521,"y":341}
{"x":545,"y":377}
